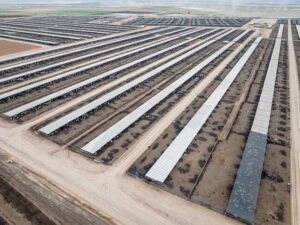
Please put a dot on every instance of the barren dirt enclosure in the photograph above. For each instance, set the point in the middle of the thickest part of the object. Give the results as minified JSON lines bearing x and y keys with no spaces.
{"x":113,"y":118}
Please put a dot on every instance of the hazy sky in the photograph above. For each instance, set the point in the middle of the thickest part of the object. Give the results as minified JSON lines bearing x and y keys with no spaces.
{"x":146,"y":1}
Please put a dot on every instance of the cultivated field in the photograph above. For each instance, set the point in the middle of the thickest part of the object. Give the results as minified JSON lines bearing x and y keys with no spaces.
{"x":128,"y":118}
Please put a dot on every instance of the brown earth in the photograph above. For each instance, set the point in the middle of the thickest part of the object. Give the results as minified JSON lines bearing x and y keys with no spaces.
{"x":25,"y":198}
{"x":108,"y":189}
{"x":208,"y":180}
{"x":11,"y":47}
{"x":112,"y":182}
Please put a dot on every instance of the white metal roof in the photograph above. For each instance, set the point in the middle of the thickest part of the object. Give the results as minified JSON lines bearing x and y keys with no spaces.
{"x":243,"y":198}
{"x":263,"y":112}
{"x":82,"y":44}
{"x":95,"y":78}
{"x":167,"y":161}
{"x":44,"y":31}
{"x":74,"y":59}
{"x":91,"y":27}
{"x":102,"y":139}
{"x":39,"y":33}
{"x":298,"y":30}
{"x":29,"y":39}
{"x":87,"y":67}
{"x":62,"y":28}
{"x":94,"y":104}
{"x":77,"y":50}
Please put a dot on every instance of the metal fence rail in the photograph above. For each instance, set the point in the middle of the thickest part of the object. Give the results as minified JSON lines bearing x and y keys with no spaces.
{"x":243,"y":198}
{"x":104,"y":138}
{"x":168,"y":160}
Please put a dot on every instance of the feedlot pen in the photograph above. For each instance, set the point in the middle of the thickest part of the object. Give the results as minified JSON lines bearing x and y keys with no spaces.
{"x":98,"y":97}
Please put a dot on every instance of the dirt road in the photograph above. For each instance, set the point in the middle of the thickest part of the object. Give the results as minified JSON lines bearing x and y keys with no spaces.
{"x":109,"y":190}
{"x":295,"y":129}
{"x":112,"y":84}
{"x":24,"y":201}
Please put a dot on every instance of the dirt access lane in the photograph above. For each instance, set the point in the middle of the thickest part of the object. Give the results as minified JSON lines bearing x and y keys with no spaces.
{"x":23,"y":200}
{"x":295,"y":129}
{"x":108,"y":190}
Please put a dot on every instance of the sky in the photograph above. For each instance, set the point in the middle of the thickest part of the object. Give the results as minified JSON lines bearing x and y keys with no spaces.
{"x":146,"y":1}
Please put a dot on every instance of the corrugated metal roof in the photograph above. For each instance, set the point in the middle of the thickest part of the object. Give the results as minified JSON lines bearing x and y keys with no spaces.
{"x":243,"y":198}
{"x":298,"y":30}
{"x":113,"y":131}
{"x":96,"y":103}
{"x":87,"y":67}
{"x":167,"y":161}
{"x":86,"y":56}
{"x":39,"y":33}
{"x":263,"y":112}
{"x":29,"y":39}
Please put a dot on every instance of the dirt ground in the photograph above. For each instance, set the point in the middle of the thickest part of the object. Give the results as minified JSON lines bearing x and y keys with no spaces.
{"x":11,"y":47}
{"x":24,"y":201}
{"x":105,"y":189}
{"x":122,"y":199}
{"x":295,"y":129}
{"x":216,"y":178}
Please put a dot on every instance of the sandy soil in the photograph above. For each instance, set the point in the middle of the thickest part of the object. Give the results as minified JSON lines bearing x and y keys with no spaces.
{"x":24,"y":201}
{"x":45,"y":48}
{"x":264,"y":31}
{"x":107,"y":189}
{"x":273,"y":205}
{"x":295,"y":129}
{"x":11,"y":47}
{"x":182,"y":178}
{"x":216,"y":184}
{"x":114,"y":83}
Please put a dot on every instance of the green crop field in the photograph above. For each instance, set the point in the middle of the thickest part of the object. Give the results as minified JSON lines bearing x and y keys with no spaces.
{"x":55,"y":12}
{"x":75,"y":12}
